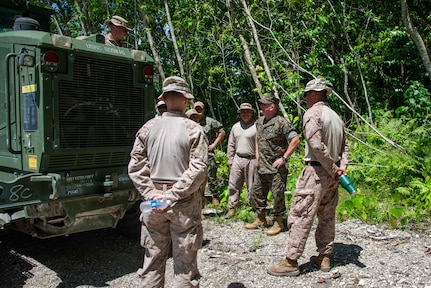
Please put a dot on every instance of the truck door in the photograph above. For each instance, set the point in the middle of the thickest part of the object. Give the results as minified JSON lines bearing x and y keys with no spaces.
{"x":10,"y":152}
{"x":21,"y":103}
{"x":28,"y":107}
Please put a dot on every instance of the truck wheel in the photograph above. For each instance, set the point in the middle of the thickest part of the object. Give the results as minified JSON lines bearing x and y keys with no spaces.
{"x":130,"y":225}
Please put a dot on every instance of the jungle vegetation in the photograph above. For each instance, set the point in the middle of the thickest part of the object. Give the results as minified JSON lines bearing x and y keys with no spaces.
{"x":375,"y":55}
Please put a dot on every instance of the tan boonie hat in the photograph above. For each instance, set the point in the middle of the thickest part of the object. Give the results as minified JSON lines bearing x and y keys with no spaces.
{"x":317,"y":84}
{"x":191,"y":112}
{"x":245,"y":106}
{"x":199,"y":104}
{"x":269,"y":98}
{"x":176,"y":84}
{"x":119,"y":21}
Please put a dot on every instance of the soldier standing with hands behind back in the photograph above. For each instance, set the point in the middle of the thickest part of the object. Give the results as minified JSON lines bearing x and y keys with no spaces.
{"x":168,"y":162}
{"x":326,"y":158}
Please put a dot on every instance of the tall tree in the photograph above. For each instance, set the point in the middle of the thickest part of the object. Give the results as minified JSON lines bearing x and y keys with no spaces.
{"x":411,"y":29}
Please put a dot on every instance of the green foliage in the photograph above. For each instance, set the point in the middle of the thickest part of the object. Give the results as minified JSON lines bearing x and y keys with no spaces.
{"x":361,"y":47}
{"x":222,"y":175}
{"x":395,"y":186}
{"x":416,"y":104}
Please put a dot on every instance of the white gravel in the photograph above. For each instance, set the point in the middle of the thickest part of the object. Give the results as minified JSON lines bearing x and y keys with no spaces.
{"x":232,"y":257}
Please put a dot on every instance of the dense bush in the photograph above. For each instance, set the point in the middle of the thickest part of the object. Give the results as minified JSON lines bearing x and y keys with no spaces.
{"x":395,"y":186}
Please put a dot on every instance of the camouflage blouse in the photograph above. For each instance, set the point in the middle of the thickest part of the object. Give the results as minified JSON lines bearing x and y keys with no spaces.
{"x":273,"y":137}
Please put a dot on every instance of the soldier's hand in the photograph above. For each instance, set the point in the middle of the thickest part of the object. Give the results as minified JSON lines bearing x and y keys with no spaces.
{"x":278,"y":163}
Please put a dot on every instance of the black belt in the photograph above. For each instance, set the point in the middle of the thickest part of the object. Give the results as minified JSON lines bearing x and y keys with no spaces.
{"x":312,"y":163}
{"x":246,"y":157}
{"x":315,"y":163}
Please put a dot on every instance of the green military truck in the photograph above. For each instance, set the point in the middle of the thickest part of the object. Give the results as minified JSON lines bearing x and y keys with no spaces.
{"x":69,"y":112}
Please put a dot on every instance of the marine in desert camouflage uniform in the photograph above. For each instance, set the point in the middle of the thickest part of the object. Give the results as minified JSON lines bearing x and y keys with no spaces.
{"x":241,"y":156}
{"x":168,"y":161}
{"x":326,"y":158}
{"x":276,"y":142}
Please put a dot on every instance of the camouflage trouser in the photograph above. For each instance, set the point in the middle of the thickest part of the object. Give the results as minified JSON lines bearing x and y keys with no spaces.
{"x":212,"y":177}
{"x":262,"y":183}
{"x":316,"y":193}
{"x":182,"y":225}
{"x":242,"y":170}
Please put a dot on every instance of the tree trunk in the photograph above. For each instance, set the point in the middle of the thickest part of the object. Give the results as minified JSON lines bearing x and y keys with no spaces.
{"x":152,"y":46}
{"x":346,"y":91}
{"x":174,"y":40}
{"x":247,"y":56}
{"x":262,"y":56}
{"x":411,"y":29}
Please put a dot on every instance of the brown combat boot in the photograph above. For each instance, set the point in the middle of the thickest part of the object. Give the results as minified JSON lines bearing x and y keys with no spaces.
{"x":322,"y":261}
{"x":216,"y":202}
{"x":285,"y":267}
{"x":259,"y":222}
{"x":230,"y":213}
{"x":277,"y":227}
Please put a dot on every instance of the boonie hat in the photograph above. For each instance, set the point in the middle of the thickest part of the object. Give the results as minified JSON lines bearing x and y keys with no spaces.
{"x":119,"y":21}
{"x":176,"y":84}
{"x":317,"y":84}
{"x":269,"y":98}
{"x":245,"y":106}
{"x":160,"y":103}
{"x":199,"y":104}
{"x":191,"y":112}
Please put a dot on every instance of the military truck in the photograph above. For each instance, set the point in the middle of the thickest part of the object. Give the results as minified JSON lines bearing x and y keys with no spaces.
{"x":69,"y":112}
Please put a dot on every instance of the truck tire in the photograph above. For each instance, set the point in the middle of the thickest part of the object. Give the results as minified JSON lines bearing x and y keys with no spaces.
{"x":130,"y":225}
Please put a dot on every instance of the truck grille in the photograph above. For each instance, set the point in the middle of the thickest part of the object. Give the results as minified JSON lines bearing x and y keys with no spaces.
{"x":99,"y":106}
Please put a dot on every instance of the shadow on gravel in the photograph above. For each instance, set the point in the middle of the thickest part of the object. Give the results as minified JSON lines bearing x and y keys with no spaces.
{"x":79,"y":259}
{"x":345,"y":254}
{"x":342,"y":256}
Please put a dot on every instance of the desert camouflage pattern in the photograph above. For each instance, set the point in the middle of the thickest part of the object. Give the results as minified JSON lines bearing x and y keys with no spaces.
{"x":181,"y":223}
{"x":242,"y":170}
{"x":316,"y":191}
{"x":241,"y":154}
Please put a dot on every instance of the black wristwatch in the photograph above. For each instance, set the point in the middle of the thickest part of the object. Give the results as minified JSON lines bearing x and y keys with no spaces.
{"x":284,"y":159}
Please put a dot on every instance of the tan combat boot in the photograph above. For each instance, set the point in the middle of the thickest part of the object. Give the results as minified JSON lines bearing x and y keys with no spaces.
{"x":322,"y":261}
{"x":277,"y":227}
{"x":285,"y":267}
{"x":259,"y":222}
{"x":230,"y":213}
{"x":216,"y":202}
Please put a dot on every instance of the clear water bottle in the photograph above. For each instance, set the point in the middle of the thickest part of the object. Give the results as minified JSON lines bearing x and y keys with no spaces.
{"x":146,"y":206}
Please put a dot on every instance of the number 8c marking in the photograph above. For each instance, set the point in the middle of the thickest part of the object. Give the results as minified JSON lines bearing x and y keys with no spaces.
{"x":19,"y":192}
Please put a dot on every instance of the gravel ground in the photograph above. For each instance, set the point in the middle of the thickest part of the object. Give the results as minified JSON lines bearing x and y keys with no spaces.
{"x":233,"y":257}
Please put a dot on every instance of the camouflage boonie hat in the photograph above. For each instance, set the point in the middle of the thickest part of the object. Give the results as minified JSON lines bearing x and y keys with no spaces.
{"x":199,"y":104}
{"x":245,"y":106}
{"x":317,"y":84}
{"x":119,"y":21}
{"x":176,"y":84}
{"x":269,"y":98}
{"x":191,"y":112}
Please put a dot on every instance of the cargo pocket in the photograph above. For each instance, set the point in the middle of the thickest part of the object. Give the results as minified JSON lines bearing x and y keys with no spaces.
{"x":146,"y":240}
{"x":302,"y":204}
{"x":194,"y":239}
